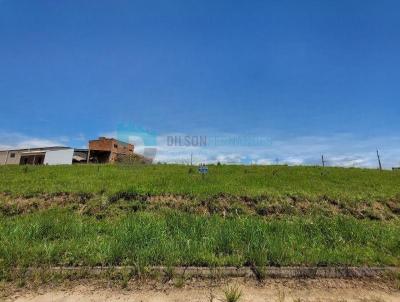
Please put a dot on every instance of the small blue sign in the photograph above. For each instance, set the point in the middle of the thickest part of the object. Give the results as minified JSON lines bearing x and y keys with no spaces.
{"x":203,"y":169}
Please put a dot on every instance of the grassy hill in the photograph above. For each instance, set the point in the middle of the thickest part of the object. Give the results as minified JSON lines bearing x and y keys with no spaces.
{"x":171,"y":215}
{"x":310,"y":182}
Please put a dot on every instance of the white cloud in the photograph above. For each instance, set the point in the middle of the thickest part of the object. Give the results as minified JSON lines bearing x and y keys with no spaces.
{"x":20,"y":141}
{"x":109,"y":134}
{"x":263,"y":161}
{"x":339,"y":150}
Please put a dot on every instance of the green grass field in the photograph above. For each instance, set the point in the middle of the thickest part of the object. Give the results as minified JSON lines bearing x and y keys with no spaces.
{"x":170,"y":215}
{"x":352,"y":184}
{"x":61,"y":238}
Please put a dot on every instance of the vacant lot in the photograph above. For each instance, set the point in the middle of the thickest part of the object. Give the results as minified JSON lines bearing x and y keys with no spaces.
{"x":274,"y":181}
{"x":169,"y":215}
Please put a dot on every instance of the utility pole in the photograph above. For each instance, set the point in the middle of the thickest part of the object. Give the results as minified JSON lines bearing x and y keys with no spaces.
{"x":323,"y":160}
{"x":379,"y":159}
{"x":191,"y":158}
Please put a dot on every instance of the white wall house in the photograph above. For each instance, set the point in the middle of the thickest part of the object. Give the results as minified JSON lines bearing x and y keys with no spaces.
{"x":59,"y":157}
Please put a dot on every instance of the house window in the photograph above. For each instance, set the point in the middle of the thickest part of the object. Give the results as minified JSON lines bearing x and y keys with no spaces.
{"x":12,"y":155}
{"x":115,"y":146}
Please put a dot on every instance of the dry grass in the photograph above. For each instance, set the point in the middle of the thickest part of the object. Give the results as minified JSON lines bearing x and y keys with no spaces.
{"x":232,"y":293}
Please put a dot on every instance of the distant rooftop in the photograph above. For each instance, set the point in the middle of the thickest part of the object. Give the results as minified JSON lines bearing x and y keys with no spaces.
{"x":103,"y":138}
{"x":39,"y":149}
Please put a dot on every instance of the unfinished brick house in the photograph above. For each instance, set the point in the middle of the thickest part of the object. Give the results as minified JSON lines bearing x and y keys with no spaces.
{"x":108,"y":150}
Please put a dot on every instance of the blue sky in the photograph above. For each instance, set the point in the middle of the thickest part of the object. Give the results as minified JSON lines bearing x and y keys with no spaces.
{"x":312,"y":76}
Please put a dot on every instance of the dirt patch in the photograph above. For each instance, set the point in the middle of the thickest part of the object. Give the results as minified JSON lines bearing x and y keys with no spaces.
{"x":394,"y":206}
{"x":100,"y":205}
{"x":327,"y":290}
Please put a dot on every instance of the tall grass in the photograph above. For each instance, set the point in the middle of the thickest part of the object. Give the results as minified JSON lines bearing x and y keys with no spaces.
{"x":354,"y":184}
{"x":165,"y":237}
{"x":62,"y":238}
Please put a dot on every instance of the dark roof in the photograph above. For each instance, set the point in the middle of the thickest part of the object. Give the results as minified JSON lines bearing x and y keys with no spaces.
{"x":39,"y":149}
{"x":103,"y":138}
